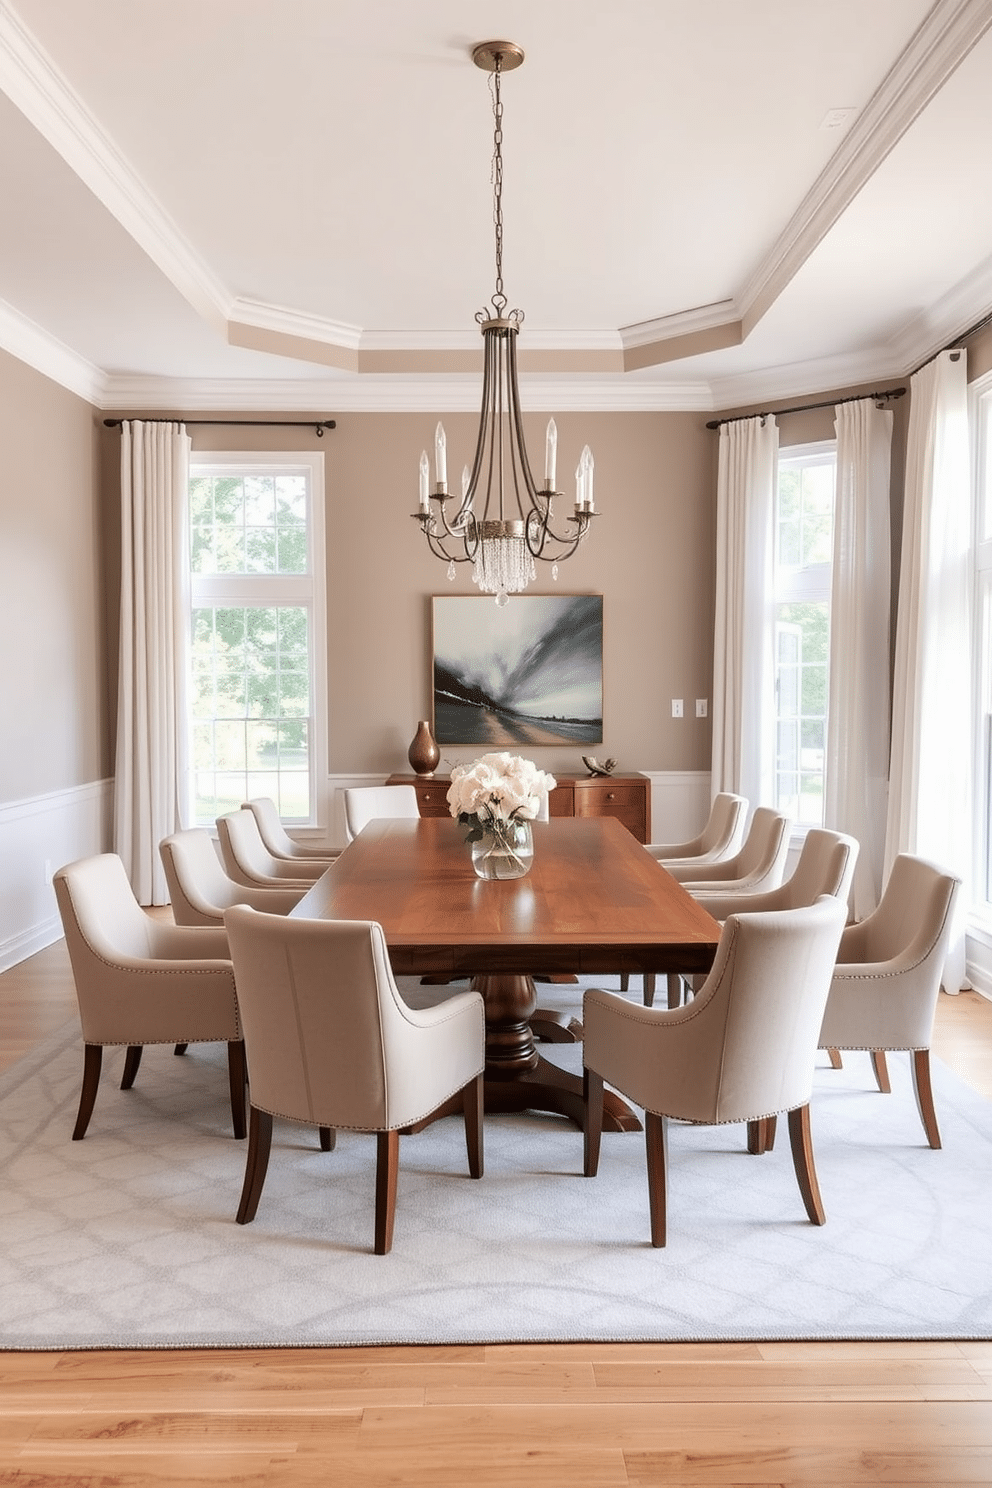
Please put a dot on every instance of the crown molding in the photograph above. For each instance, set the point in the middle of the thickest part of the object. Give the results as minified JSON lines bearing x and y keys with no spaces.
{"x":930,"y":331}
{"x":26,"y":341}
{"x":282,"y":321}
{"x":682,"y":323}
{"x":941,"y":43}
{"x":32,"y":82}
{"x":803,"y":380}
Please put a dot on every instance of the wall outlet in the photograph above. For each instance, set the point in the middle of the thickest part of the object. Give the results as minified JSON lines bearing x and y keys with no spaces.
{"x":702,"y":708}
{"x":676,"y":707}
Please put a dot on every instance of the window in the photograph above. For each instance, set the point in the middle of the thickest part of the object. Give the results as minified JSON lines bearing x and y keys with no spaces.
{"x":257,"y":632}
{"x":804,"y":510}
{"x":983,"y":634}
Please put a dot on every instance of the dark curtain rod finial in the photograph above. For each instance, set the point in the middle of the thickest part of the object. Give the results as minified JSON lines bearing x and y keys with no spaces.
{"x":318,"y":425}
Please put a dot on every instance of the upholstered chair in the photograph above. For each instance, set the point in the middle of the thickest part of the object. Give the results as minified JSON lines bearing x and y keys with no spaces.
{"x":331,"y":1043}
{"x":140,"y":980}
{"x":248,"y":861}
{"x":365,"y":803}
{"x":721,"y":837}
{"x":883,"y":994}
{"x":743,"y":1050}
{"x":758,"y":865}
{"x":200,"y":890}
{"x":278,"y":841}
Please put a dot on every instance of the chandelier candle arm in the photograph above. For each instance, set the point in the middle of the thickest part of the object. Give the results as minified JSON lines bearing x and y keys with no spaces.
{"x":514,"y":526}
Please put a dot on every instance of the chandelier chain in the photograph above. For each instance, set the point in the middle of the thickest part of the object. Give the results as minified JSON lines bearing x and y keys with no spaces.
{"x":499,"y":298}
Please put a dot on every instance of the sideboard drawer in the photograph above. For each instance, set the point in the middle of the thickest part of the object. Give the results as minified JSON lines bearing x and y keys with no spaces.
{"x":432,"y":796}
{"x":627,"y":797}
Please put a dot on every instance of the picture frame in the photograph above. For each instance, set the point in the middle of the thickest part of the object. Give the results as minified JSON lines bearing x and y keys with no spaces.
{"x":524,"y":674}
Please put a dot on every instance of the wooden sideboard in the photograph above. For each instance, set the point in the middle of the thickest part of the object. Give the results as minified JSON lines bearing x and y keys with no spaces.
{"x":627,"y":797}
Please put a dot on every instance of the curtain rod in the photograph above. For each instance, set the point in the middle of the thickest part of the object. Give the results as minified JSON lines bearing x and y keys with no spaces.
{"x":804,"y":407}
{"x":318,"y":425}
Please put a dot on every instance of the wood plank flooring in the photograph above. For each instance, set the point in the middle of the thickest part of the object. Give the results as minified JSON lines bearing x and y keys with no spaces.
{"x":568,"y":1416}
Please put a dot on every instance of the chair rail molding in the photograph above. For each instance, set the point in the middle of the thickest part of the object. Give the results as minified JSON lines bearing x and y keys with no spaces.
{"x":38,"y":835}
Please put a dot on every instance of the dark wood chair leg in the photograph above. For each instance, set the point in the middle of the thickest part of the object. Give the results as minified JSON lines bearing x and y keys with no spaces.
{"x":924,"y":1095}
{"x":771,"y":1127}
{"x":386,"y":1169}
{"x":802,"y":1158}
{"x":472,"y":1096}
{"x":237,"y":1072}
{"x":328,"y":1137}
{"x":259,"y":1146}
{"x":656,"y":1142}
{"x":835,"y":1060}
{"x":592,"y":1127}
{"x":180,"y":1048}
{"x":674,"y":989}
{"x":881,"y":1069}
{"x":756,"y":1137}
{"x":92,"y":1062}
{"x":132,"y":1059}
{"x":650,"y":983}
{"x":624,"y":981}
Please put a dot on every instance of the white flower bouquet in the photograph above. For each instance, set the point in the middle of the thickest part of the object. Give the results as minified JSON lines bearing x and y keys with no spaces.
{"x":493,"y":796}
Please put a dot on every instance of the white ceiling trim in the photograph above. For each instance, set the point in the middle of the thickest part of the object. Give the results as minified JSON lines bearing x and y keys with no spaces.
{"x":35,"y":85}
{"x":941,"y":43}
{"x":962,"y":307}
{"x":682,"y":323}
{"x":283,"y":321}
{"x":26,"y":341}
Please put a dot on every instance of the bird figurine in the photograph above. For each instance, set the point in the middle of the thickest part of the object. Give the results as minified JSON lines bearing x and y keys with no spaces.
{"x":595,"y":768}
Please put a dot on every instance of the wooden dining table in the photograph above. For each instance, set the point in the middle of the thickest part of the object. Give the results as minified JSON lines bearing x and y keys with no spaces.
{"x":595,"y":901}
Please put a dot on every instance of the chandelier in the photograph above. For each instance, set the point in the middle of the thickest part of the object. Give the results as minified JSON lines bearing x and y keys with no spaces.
{"x":513,"y":525}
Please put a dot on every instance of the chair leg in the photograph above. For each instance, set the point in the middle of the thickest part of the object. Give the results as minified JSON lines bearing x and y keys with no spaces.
{"x":881,"y":1069}
{"x":237,"y":1072}
{"x":835,"y":1060}
{"x":592,"y":1126}
{"x":259,"y":1146}
{"x":650,"y":982}
{"x":180,"y":1048}
{"x":624,"y":981}
{"x":924,"y":1095}
{"x":92,"y":1062}
{"x":132,"y":1059}
{"x":386,"y":1169}
{"x":674,"y":989}
{"x":802,"y":1158}
{"x":472,"y":1097}
{"x":328,"y":1137}
{"x":656,"y":1142}
{"x":761,"y":1135}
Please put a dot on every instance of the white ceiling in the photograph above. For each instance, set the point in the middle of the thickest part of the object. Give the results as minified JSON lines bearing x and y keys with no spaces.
{"x":251,"y":204}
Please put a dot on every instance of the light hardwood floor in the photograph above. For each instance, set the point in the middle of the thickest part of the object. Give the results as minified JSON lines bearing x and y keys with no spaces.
{"x":572,"y":1416}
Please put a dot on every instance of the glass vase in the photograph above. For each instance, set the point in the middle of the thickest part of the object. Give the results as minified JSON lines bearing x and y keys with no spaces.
{"x":505,"y":850}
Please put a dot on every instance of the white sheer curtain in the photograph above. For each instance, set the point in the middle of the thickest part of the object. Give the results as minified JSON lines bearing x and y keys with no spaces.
{"x":930,"y":775}
{"x":857,"y":763}
{"x":151,"y":715}
{"x":743,"y":749}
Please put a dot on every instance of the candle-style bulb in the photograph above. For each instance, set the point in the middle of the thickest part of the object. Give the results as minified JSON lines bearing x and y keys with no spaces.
{"x":550,"y":454}
{"x":440,"y":456}
{"x":590,"y":465}
{"x":425,"y":476}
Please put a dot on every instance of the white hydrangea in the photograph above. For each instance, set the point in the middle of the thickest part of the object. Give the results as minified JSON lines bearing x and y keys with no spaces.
{"x":498,"y":787}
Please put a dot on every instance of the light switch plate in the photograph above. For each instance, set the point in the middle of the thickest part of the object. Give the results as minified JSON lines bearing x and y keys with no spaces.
{"x":676,"y":707}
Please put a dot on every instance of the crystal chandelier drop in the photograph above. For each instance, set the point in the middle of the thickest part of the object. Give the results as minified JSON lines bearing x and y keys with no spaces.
{"x":514,"y":526}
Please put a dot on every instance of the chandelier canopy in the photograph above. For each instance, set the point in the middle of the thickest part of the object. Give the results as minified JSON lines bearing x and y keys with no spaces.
{"x":513,"y":526}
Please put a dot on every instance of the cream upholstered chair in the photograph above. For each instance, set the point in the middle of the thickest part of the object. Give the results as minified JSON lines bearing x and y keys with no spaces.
{"x":278,"y":841}
{"x":721,"y":837}
{"x":331,"y":1042}
{"x":759,"y":864}
{"x":140,"y":980}
{"x":200,"y":890}
{"x":365,"y":803}
{"x":248,"y":861}
{"x":743,"y":1050}
{"x":884,"y":988}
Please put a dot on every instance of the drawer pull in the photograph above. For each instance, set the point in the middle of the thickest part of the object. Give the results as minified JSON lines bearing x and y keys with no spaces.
{"x":427,"y":796}
{"x":610,"y":796}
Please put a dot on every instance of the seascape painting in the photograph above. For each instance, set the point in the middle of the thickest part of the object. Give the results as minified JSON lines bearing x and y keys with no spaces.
{"x":528,"y":673}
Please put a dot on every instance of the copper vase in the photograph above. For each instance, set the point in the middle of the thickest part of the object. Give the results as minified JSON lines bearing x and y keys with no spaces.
{"x":424,"y":753}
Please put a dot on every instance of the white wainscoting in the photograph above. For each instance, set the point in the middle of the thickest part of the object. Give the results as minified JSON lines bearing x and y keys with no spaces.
{"x":680,"y":804}
{"x":37,"y":836}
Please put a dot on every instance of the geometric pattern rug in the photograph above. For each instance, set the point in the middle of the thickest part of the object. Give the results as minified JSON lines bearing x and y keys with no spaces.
{"x":127,"y":1239}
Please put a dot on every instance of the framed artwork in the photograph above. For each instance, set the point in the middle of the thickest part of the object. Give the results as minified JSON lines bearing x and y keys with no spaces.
{"x":524,"y":674}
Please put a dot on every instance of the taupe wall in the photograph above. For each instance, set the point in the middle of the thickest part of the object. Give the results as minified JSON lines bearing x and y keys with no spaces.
{"x":650,"y":556}
{"x":53,"y":666}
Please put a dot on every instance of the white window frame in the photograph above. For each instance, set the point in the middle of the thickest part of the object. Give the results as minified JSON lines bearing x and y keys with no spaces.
{"x":980,"y":398}
{"x":810,"y":583}
{"x":266,"y":590}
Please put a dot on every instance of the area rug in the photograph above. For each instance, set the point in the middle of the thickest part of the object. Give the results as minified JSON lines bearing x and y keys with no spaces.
{"x":127,"y":1239}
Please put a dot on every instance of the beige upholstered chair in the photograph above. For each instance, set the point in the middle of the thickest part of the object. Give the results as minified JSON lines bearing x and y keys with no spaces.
{"x":278,"y":841}
{"x":248,"y":861}
{"x":140,"y":980}
{"x":330,"y":1042}
{"x":199,"y":888}
{"x":743,"y":1050}
{"x":365,"y":803}
{"x":720,"y":838}
{"x":760,"y":863}
{"x":885,"y":985}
